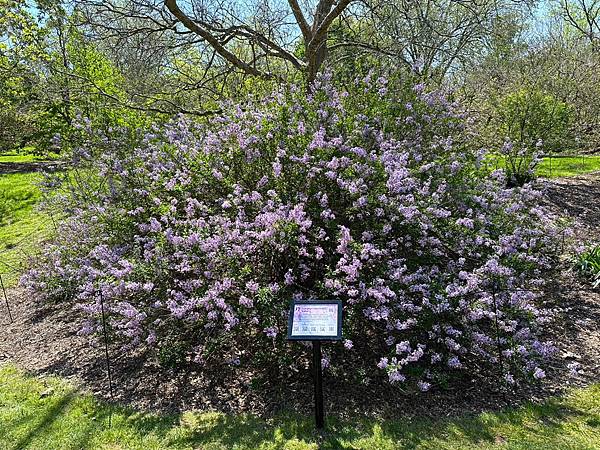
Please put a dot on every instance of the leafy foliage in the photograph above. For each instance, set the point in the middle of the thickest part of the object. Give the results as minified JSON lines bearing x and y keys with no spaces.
{"x":588,"y":263}
{"x":529,"y":116}
{"x":49,"y":74}
{"x":532,"y":123}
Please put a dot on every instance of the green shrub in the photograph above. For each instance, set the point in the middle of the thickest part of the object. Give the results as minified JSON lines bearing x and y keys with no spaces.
{"x":530,"y":122}
{"x":528,"y":117}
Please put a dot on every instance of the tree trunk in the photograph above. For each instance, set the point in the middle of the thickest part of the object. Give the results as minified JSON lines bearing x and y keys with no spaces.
{"x":316,"y":49}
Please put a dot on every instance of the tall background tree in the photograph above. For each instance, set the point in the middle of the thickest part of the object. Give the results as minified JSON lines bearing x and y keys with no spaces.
{"x":122,"y":62}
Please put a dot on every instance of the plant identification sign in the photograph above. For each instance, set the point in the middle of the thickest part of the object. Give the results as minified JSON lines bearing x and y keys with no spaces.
{"x":312,"y":320}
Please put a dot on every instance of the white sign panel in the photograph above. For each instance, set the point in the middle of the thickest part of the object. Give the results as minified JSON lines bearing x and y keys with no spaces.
{"x":315,"y":320}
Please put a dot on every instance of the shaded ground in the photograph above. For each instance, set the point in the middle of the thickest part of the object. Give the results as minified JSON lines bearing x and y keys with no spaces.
{"x":45,"y":341}
{"x":30,"y":166}
{"x":577,"y":197}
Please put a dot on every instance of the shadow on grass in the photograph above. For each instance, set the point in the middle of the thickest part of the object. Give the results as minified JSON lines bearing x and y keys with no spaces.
{"x":245,"y":431}
{"x":42,"y":422}
{"x":35,"y":417}
{"x":71,"y":420}
{"x":10,"y":167}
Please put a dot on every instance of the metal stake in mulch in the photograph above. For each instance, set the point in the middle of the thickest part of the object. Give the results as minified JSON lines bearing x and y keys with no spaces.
{"x":107,"y":356}
{"x":6,"y":299}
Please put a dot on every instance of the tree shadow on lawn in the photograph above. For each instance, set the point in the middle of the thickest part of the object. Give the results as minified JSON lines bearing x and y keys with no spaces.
{"x":544,"y":422}
{"x":67,"y":419}
{"x":7,"y":168}
{"x":405,"y":429}
{"x":39,"y":424}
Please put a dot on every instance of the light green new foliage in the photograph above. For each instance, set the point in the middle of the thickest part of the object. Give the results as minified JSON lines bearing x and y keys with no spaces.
{"x":50,"y":414}
{"x":527,"y":116}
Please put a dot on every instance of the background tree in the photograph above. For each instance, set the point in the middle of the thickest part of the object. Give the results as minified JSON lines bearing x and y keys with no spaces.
{"x":584,"y":16}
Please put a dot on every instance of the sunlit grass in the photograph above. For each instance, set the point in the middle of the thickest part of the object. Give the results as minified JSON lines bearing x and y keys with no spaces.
{"x":24,"y":156}
{"x":568,"y":166}
{"x":22,"y":225}
{"x":557,"y":166}
{"x":47,"y":413}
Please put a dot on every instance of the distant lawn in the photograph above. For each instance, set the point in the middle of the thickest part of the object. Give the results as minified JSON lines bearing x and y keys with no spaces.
{"x":566,"y":167}
{"x":557,"y":166}
{"x":50,"y":414}
{"x":22,"y":227}
{"x":24,"y":156}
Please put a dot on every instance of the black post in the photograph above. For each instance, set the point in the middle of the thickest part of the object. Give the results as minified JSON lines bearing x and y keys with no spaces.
{"x":6,"y":299}
{"x":318,"y":380}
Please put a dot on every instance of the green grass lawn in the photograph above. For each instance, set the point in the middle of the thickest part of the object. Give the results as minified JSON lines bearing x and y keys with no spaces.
{"x":16,"y":157}
{"x":557,"y":166}
{"x":566,"y":167}
{"x":47,"y":413}
{"x":22,"y":226}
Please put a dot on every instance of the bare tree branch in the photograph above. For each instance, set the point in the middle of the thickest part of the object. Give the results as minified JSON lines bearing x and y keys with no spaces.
{"x":214,"y":42}
{"x":300,"y":20}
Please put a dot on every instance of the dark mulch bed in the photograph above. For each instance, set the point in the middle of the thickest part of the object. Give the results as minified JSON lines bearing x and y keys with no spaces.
{"x":577,"y":198}
{"x":44,"y":340}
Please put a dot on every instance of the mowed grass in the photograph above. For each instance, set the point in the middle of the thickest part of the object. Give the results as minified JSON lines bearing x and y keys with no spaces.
{"x":24,"y":157}
{"x":557,"y":166}
{"x":48,"y":413}
{"x":22,"y":226}
{"x":568,"y":166}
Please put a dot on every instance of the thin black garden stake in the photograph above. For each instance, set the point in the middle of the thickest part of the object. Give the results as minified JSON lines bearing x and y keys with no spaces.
{"x":6,"y":299}
{"x":498,"y":346}
{"x":318,"y":380}
{"x":110,"y":387}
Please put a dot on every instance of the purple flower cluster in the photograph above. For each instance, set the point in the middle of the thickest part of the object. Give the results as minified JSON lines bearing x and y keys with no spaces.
{"x":375,"y":197}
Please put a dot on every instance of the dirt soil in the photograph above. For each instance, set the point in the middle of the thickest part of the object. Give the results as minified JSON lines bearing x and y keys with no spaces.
{"x":43,"y":340}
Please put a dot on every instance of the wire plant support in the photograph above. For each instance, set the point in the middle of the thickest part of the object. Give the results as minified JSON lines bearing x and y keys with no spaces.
{"x":6,"y":299}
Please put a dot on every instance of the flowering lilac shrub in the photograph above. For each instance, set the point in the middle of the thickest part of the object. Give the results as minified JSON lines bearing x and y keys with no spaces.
{"x":198,"y":236}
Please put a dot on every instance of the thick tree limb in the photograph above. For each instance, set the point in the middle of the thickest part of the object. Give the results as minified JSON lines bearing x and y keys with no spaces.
{"x":300,"y":20}
{"x":326,"y":22}
{"x":213,"y":41}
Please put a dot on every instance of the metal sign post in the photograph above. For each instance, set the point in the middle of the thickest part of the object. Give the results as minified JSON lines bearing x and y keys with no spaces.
{"x":316,"y":321}
{"x":318,"y":380}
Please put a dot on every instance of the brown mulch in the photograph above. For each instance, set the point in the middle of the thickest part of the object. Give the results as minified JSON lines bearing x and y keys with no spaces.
{"x":44,"y":340}
{"x":577,"y":198}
